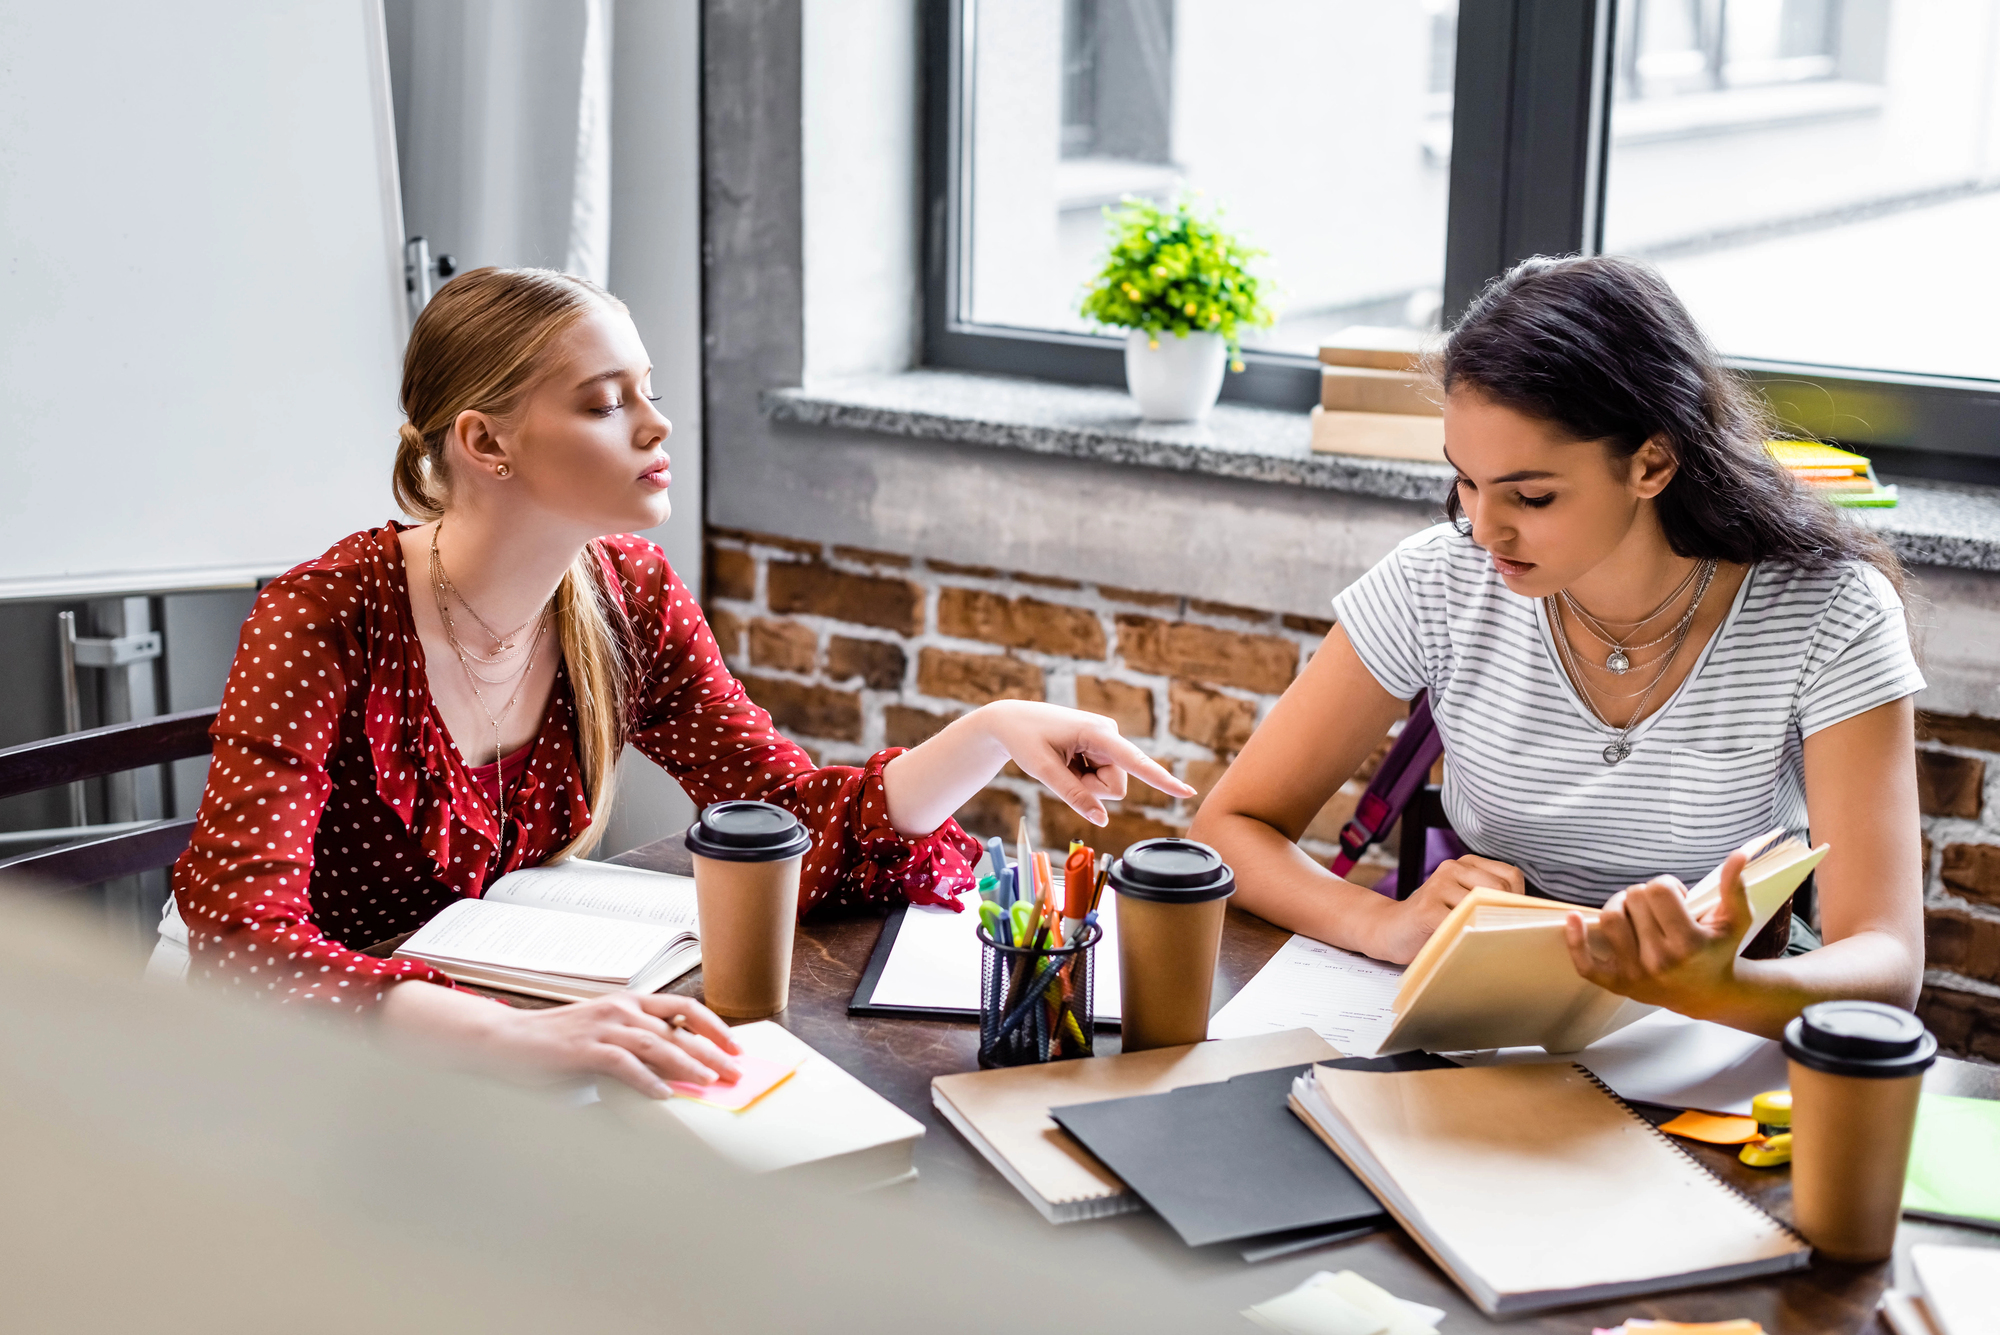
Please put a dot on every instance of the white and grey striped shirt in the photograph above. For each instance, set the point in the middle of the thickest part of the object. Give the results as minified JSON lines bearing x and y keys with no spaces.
{"x":1525,"y":777}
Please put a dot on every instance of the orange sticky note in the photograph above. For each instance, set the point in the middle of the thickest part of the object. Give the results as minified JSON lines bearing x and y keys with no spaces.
{"x":758,"y":1077}
{"x":1715,"y":1130}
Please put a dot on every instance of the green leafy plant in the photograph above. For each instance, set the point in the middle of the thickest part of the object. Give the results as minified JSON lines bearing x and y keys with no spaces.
{"x":1170,"y":270}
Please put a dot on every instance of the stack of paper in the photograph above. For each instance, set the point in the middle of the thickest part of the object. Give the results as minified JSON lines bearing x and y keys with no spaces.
{"x":1842,"y":477}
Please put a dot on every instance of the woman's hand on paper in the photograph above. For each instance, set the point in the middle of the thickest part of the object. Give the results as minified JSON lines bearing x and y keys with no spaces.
{"x":643,"y":1041}
{"x":1647,"y":946}
{"x":1410,"y":922}
{"x":1076,"y":755}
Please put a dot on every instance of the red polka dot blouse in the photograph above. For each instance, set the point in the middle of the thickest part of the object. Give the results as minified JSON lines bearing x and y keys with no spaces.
{"x":338,"y":814}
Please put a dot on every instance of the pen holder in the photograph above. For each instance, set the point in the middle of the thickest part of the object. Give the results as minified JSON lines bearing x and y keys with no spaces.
{"x":1035,"y":1005}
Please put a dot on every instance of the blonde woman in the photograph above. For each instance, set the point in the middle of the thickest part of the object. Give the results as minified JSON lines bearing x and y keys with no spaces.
{"x":423,"y":709}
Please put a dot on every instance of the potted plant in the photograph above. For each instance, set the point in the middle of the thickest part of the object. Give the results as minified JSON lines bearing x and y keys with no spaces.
{"x":1181,"y":286}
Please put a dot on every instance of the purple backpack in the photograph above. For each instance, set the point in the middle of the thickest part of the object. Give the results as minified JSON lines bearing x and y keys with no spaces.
{"x":1403,"y":771}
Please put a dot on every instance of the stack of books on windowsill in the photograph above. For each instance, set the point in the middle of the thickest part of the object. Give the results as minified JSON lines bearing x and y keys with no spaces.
{"x":1373,"y":397}
{"x":1841,"y":477}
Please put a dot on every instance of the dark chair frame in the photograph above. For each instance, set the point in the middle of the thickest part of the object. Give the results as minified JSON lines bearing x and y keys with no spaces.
{"x":93,"y":754}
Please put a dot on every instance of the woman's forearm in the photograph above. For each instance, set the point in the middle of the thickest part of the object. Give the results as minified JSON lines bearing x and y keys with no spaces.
{"x":925,"y":785}
{"x":1282,"y":884}
{"x":1764,"y":995}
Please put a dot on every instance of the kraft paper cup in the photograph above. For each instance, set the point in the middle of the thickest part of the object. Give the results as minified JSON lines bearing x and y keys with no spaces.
{"x":747,"y":857}
{"x":1856,"y":1070}
{"x":1172,"y":894}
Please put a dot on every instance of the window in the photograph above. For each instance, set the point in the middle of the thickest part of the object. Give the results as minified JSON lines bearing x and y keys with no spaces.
{"x":1820,"y":179}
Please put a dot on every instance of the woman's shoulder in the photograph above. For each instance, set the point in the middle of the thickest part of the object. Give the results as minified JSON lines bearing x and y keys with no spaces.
{"x":1437,"y":549}
{"x":646,"y":579}
{"x":1842,"y":589}
{"x":345,"y":580}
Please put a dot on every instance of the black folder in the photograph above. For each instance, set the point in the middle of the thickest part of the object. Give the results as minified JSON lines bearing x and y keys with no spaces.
{"x":1228,"y":1161}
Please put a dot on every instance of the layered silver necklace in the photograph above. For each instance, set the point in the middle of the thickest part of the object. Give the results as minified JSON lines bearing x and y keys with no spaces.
{"x":1619,"y":662}
{"x":508,"y":647}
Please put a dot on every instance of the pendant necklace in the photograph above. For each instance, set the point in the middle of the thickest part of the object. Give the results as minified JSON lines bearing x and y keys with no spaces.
{"x":1619,"y":661}
{"x":1621,"y":746}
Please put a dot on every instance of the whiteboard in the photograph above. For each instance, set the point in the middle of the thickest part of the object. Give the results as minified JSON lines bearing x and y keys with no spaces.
{"x":201,"y":296}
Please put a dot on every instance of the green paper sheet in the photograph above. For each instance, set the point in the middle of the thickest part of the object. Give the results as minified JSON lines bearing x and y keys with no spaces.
{"x":1955,"y":1161}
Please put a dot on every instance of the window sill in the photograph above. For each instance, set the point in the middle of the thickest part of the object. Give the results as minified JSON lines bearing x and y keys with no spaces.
{"x":1938,"y":523}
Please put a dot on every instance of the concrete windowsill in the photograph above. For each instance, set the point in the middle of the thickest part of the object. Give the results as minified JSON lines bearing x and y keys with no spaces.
{"x":1944,"y":524}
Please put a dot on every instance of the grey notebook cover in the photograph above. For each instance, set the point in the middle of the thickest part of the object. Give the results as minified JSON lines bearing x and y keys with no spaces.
{"x":1227,"y":1161}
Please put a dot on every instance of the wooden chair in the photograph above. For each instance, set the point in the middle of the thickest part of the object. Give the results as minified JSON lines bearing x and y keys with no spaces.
{"x":89,"y":755}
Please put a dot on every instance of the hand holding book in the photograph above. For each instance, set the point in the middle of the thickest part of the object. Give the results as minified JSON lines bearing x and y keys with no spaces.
{"x":1659,"y":944}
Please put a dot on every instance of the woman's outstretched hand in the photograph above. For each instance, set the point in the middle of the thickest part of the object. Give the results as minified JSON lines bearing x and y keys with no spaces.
{"x":1407,"y":924}
{"x":1077,"y":756}
{"x":1647,"y":946}
{"x":642,"y":1040}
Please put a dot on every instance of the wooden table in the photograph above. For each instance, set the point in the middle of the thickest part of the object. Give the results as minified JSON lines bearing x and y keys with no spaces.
{"x":897,"y":1058}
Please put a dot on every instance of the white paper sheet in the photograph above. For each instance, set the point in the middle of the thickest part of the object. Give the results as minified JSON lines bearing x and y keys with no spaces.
{"x":515,"y":936}
{"x":1341,"y":996}
{"x":1673,"y":1060}
{"x":600,"y":890}
{"x":934,"y":963}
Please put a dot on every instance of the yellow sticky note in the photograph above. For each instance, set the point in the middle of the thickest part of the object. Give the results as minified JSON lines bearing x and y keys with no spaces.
{"x":1715,"y":1130}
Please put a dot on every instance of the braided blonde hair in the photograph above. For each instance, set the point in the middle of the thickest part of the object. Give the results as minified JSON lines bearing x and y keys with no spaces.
{"x":478,"y":346}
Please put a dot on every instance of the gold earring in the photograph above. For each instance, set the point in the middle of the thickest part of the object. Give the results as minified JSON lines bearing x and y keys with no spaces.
{"x":503,"y":471}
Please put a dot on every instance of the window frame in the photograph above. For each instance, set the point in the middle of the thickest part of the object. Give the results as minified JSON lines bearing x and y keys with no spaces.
{"x":1532,"y":89}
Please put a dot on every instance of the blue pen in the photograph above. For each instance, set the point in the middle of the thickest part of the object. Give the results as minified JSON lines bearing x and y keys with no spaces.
{"x":998,"y":852}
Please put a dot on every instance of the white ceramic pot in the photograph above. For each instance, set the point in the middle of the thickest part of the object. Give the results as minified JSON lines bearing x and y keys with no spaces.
{"x":1178,"y":381}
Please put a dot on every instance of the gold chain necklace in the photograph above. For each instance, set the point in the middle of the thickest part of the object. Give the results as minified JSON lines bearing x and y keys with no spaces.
{"x":440,"y":582}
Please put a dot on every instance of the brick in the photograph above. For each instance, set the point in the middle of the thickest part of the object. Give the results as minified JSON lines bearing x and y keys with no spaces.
{"x":1139,"y":793}
{"x":1142,"y":599}
{"x":1020,"y":623}
{"x":1263,"y":663}
{"x":878,"y":663}
{"x":977,"y":678}
{"x":865,"y":600}
{"x":797,"y":545}
{"x":1967,"y":730}
{"x":727,"y":628}
{"x":1927,"y":860}
{"x":1967,"y":1024}
{"x":1972,"y":870}
{"x":1339,"y":810}
{"x":785,"y":645}
{"x":1949,"y":785}
{"x":1045,"y":581}
{"x":1202,"y":776}
{"x":904,"y":726}
{"x":731,"y":573}
{"x":1310,"y":625}
{"x":812,"y":711}
{"x":991,"y":812}
{"x":1060,"y":825}
{"x":867,"y":556}
{"x":1963,"y":944}
{"x":1214,"y":720}
{"x":1374,"y":761}
{"x":1129,"y":706}
{"x":1227,"y":610}
{"x":954,"y":568}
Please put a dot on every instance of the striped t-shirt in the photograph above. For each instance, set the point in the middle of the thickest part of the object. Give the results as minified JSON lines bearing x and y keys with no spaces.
{"x":1721,"y":762}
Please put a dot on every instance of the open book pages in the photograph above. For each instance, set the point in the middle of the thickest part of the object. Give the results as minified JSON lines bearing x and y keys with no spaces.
{"x":569,"y":931}
{"x":1497,"y":971}
{"x":821,"y":1125}
{"x":1463,"y":1157}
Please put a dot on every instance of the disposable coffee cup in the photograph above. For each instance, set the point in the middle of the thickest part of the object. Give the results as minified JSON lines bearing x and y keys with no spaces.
{"x":747,"y":857}
{"x":1856,"y":1068}
{"x":1171,"y":898}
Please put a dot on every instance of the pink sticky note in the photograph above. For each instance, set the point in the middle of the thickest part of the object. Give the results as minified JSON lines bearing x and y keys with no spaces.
{"x":760,"y":1075}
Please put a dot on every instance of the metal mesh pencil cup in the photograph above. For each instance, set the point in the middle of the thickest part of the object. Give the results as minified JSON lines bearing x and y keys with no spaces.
{"x":1035,"y":1005}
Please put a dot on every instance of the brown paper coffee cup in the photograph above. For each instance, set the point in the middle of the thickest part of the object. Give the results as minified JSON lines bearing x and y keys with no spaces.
{"x":1172,"y":896}
{"x":747,"y":858}
{"x":1856,"y":1070}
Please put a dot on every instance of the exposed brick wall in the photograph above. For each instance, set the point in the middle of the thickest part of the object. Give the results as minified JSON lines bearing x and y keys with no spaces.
{"x":1956,"y":756}
{"x":852,"y":650}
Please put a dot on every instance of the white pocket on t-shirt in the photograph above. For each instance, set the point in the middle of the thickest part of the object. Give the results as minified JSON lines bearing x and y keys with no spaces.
{"x":1721,"y":799}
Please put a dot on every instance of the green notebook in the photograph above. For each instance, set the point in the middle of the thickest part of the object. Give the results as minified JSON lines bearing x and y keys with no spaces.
{"x":1955,"y":1162}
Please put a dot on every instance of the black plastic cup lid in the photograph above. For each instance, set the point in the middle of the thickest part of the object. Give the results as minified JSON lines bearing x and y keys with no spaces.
{"x":747,"y":832}
{"x":1172,"y":871}
{"x":1864,"y":1038}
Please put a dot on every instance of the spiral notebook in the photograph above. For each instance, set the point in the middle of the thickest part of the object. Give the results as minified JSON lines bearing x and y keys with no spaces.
{"x":1536,"y":1187}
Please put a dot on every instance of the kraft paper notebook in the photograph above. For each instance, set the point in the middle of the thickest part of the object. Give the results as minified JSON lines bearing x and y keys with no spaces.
{"x":1535,"y":1187}
{"x":1497,"y":972}
{"x":1004,"y":1114}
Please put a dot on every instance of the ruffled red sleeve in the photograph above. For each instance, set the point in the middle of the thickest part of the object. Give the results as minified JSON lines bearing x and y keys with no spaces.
{"x":694,"y":719}
{"x":243,"y":884}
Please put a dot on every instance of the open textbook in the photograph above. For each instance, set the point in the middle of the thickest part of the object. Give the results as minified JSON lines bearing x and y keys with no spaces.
{"x":1497,"y":971}
{"x":570,"y":931}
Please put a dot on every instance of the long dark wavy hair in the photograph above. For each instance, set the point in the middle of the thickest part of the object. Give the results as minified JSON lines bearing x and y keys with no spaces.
{"x":1601,"y":349}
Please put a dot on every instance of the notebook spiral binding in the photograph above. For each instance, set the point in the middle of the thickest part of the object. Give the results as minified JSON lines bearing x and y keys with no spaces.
{"x":1681,"y":1150}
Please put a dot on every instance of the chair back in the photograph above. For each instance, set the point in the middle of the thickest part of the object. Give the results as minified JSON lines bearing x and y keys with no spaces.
{"x":89,"y":755}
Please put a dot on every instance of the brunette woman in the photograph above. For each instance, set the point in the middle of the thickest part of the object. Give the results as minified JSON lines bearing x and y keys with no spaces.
{"x":424,"y":709}
{"x":1644,"y":645}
